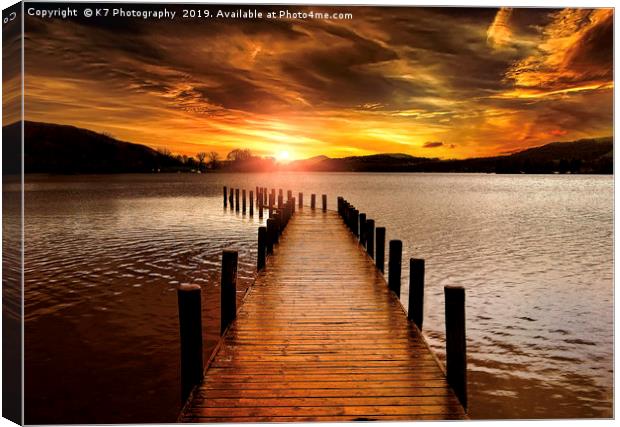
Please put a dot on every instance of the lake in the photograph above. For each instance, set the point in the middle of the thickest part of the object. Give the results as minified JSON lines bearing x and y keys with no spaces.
{"x":104,"y":255}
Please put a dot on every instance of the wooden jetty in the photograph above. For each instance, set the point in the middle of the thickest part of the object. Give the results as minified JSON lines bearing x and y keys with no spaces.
{"x":321,"y":335}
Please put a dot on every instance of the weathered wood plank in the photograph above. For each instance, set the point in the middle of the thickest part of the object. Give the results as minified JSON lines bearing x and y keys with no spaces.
{"x":321,"y":338}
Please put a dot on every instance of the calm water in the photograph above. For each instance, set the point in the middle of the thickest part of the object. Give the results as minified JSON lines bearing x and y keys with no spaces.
{"x":104,"y":255}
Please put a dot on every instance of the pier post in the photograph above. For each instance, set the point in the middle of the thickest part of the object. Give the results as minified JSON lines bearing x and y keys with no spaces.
{"x":380,"y":250}
{"x":289,"y":195}
{"x":260,"y":206}
{"x":456,"y":345}
{"x":271,"y":230}
{"x":301,"y":200}
{"x":228,"y":302}
{"x":251,"y":203}
{"x":190,"y":328}
{"x":230,"y":199}
{"x":243,"y":201}
{"x":370,"y":237}
{"x":277,"y":222}
{"x":292,"y":205}
{"x":324,"y":199}
{"x":312,"y":201}
{"x":356,"y":222}
{"x":416,"y":292}
{"x":280,"y":201}
{"x":362,"y":232}
{"x":237,"y":199}
{"x":271,"y":200}
{"x":225,"y":197}
{"x":257,"y":194}
{"x":394,"y":265}
{"x":262,"y":248}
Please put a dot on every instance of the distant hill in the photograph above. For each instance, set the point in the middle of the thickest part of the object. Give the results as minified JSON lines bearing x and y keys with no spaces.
{"x":583,"y":156}
{"x":52,"y":148}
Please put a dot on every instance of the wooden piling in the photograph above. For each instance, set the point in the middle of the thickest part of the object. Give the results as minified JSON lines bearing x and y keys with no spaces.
{"x":228,"y":303}
{"x":324,"y":200}
{"x":225,"y":197}
{"x":271,"y":200}
{"x":271,"y":231}
{"x":243,"y":201}
{"x":190,"y":328}
{"x":277,"y":221}
{"x":380,"y":249}
{"x":394,"y":265}
{"x":262,"y":248}
{"x":370,"y":237}
{"x":237,"y":199}
{"x":301,"y":200}
{"x":312,"y":201}
{"x":416,"y":292}
{"x":456,"y":345}
{"x":293,"y":205}
{"x":251,"y":203}
{"x":289,"y":195}
{"x":355,"y":222}
{"x":260,"y":206}
{"x":230,"y":199}
{"x":362,"y":230}
{"x":280,"y":200}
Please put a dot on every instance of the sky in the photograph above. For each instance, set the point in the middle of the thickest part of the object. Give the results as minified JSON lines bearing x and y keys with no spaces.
{"x":430,"y":82}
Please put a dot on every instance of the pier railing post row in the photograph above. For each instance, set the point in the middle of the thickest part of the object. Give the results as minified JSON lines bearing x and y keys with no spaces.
{"x":261,"y":257}
{"x":190,"y":328}
{"x":395,"y":266}
{"x":251,"y":203}
{"x":225,"y":197}
{"x":370,"y":237}
{"x":416,"y":292}
{"x":237,"y":199}
{"x":380,"y":249}
{"x":228,"y":302}
{"x":301,"y":200}
{"x":312,"y":201}
{"x":456,"y":345}
{"x":324,"y":201}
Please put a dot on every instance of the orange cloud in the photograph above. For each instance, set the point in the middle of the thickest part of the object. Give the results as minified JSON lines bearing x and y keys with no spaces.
{"x":499,"y":33}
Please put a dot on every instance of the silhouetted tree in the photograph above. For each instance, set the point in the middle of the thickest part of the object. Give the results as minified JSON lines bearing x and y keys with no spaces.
{"x":214,"y":160}
{"x":201,"y":159}
{"x":239,"y":155}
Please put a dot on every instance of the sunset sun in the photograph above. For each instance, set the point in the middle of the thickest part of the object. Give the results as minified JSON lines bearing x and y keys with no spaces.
{"x":283,"y":156}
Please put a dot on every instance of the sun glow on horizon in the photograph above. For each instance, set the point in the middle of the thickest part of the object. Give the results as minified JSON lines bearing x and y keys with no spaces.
{"x":283,"y":156}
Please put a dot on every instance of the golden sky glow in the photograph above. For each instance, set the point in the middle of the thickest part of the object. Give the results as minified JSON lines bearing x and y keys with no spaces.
{"x":432,"y":82}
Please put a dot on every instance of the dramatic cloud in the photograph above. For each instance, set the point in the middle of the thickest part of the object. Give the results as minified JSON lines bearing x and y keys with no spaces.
{"x":482,"y":81}
{"x":499,"y":33}
{"x":432,"y":144}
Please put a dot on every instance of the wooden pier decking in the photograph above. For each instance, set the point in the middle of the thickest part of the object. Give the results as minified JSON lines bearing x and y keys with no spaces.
{"x":320,"y":337}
